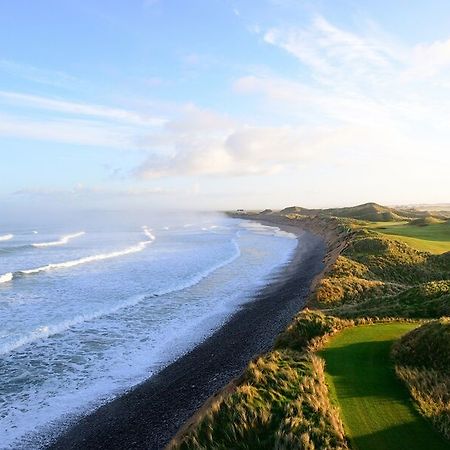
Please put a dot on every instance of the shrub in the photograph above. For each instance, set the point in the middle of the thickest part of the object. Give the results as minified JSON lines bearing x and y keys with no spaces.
{"x":309,"y":329}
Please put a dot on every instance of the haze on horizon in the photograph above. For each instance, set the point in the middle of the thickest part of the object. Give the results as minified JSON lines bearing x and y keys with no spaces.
{"x":223,"y":104}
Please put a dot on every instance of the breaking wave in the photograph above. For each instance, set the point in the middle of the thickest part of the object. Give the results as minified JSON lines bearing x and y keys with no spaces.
{"x":6,"y":237}
{"x":49,"y":330}
{"x":62,"y":241}
{"x":76,"y":262}
{"x":6,"y":277}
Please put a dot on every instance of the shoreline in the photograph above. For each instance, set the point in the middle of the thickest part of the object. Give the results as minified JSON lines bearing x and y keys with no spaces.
{"x":150,"y":414}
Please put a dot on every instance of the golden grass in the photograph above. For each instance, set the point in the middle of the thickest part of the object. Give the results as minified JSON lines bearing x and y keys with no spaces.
{"x":431,"y":391}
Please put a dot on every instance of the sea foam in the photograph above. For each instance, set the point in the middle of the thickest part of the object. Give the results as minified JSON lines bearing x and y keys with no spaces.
{"x":49,"y":330}
{"x":6,"y":277}
{"x":76,"y":262}
{"x":62,"y":241}
{"x":6,"y":237}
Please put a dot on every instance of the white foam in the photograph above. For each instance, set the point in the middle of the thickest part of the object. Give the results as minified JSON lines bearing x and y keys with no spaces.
{"x":201,"y":275}
{"x":87,"y":259}
{"x":49,"y":330}
{"x":259,"y":228}
{"x":6,"y":277}
{"x":6,"y":237}
{"x":62,"y":241}
{"x":76,"y":262}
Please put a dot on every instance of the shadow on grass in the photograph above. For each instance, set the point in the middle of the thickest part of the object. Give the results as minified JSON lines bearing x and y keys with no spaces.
{"x":376,"y":406}
{"x":364,"y":370}
{"x":402,"y":437}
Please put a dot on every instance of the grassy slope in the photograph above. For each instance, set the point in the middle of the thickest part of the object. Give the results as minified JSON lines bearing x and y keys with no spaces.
{"x":433,"y":238}
{"x":422,"y":359}
{"x":377,"y":272}
{"x":376,"y":408}
{"x":281,"y":401}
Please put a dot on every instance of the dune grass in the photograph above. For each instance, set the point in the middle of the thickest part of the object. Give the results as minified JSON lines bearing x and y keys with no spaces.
{"x":375,"y":407}
{"x":422,"y":359}
{"x":433,"y":238}
{"x":427,"y":300}
{"x":280,"y":402}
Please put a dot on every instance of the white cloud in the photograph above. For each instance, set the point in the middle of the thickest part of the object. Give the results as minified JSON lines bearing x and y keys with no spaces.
{"x":68,"y":131}
{"x":370,"y":107}
{"x":75,"y":108}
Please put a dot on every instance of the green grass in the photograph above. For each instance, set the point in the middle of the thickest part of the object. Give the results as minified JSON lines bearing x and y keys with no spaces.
{"x":427,"y":300}
{"x":376,"y":409}
{"x":422,"y":359}
{"x":433,"y":238}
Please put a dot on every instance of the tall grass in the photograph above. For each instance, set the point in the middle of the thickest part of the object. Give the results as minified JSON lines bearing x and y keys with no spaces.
{"x":379,"y":276}
{"x":422,"y":360}
{"x":431,"y":391}
{"x":281,"y":402}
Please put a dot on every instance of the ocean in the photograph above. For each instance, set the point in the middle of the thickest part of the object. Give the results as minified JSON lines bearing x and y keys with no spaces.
{"x":88,"y":311}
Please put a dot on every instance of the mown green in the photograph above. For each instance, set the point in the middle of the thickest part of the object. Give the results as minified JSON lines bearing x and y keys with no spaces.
{"x":376,"y":409}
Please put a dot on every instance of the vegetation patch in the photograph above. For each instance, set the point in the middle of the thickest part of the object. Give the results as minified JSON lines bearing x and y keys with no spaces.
{"x":280,"y":402}
{"x":427,"y":233}
{"x":427,"y":300}
{"x":309,"y":329}
{"x":422,"y":359}
{"x":378,"y":275}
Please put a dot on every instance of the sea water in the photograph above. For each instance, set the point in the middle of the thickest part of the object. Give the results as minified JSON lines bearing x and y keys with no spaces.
{"x":87,"y":313}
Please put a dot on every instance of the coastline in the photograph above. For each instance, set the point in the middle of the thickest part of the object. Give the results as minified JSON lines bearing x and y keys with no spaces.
{"x":151,"y":413}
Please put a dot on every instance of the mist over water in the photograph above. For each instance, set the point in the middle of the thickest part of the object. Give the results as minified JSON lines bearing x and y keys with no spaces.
{"x":90,"y":308}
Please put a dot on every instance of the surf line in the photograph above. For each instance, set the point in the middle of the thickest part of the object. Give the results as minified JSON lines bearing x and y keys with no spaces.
{"x":87,"y":259}
{"x":62,"y":241}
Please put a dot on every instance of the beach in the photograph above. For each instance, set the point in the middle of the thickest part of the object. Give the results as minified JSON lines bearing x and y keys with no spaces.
{"x":150,"y":414}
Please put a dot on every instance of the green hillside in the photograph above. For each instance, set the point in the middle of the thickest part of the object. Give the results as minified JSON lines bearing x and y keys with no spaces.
{"x":367,"y":211}
{"x":426,"y":234}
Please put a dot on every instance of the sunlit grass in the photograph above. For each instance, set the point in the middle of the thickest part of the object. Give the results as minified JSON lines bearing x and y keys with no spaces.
{"x":433,"y":238}
{"x":376,"y":409}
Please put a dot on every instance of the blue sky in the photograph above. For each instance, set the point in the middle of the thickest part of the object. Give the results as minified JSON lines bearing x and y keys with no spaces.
{"x":223,"y":104}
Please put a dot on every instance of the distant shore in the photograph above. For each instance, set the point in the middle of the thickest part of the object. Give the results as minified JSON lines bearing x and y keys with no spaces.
{"x":150,"y":414}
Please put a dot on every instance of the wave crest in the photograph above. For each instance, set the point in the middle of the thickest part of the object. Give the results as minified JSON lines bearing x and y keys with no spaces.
{"x":6,"y":237}
{"x":49,"y":330}
{"x":62,"y":241}
{"x":6,"y":277}
{"x":87,"y":259}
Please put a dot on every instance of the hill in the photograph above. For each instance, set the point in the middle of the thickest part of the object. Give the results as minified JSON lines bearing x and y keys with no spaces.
{"x":426,"y":220}
{"x":426,"y":347}
{"x":368,"y":211}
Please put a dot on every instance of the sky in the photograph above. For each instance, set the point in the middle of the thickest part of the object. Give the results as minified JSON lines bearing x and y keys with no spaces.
{"x":223,"y":104}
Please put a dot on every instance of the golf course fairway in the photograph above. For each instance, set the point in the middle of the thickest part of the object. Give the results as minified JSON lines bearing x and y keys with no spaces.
{"x":375,"y":407}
